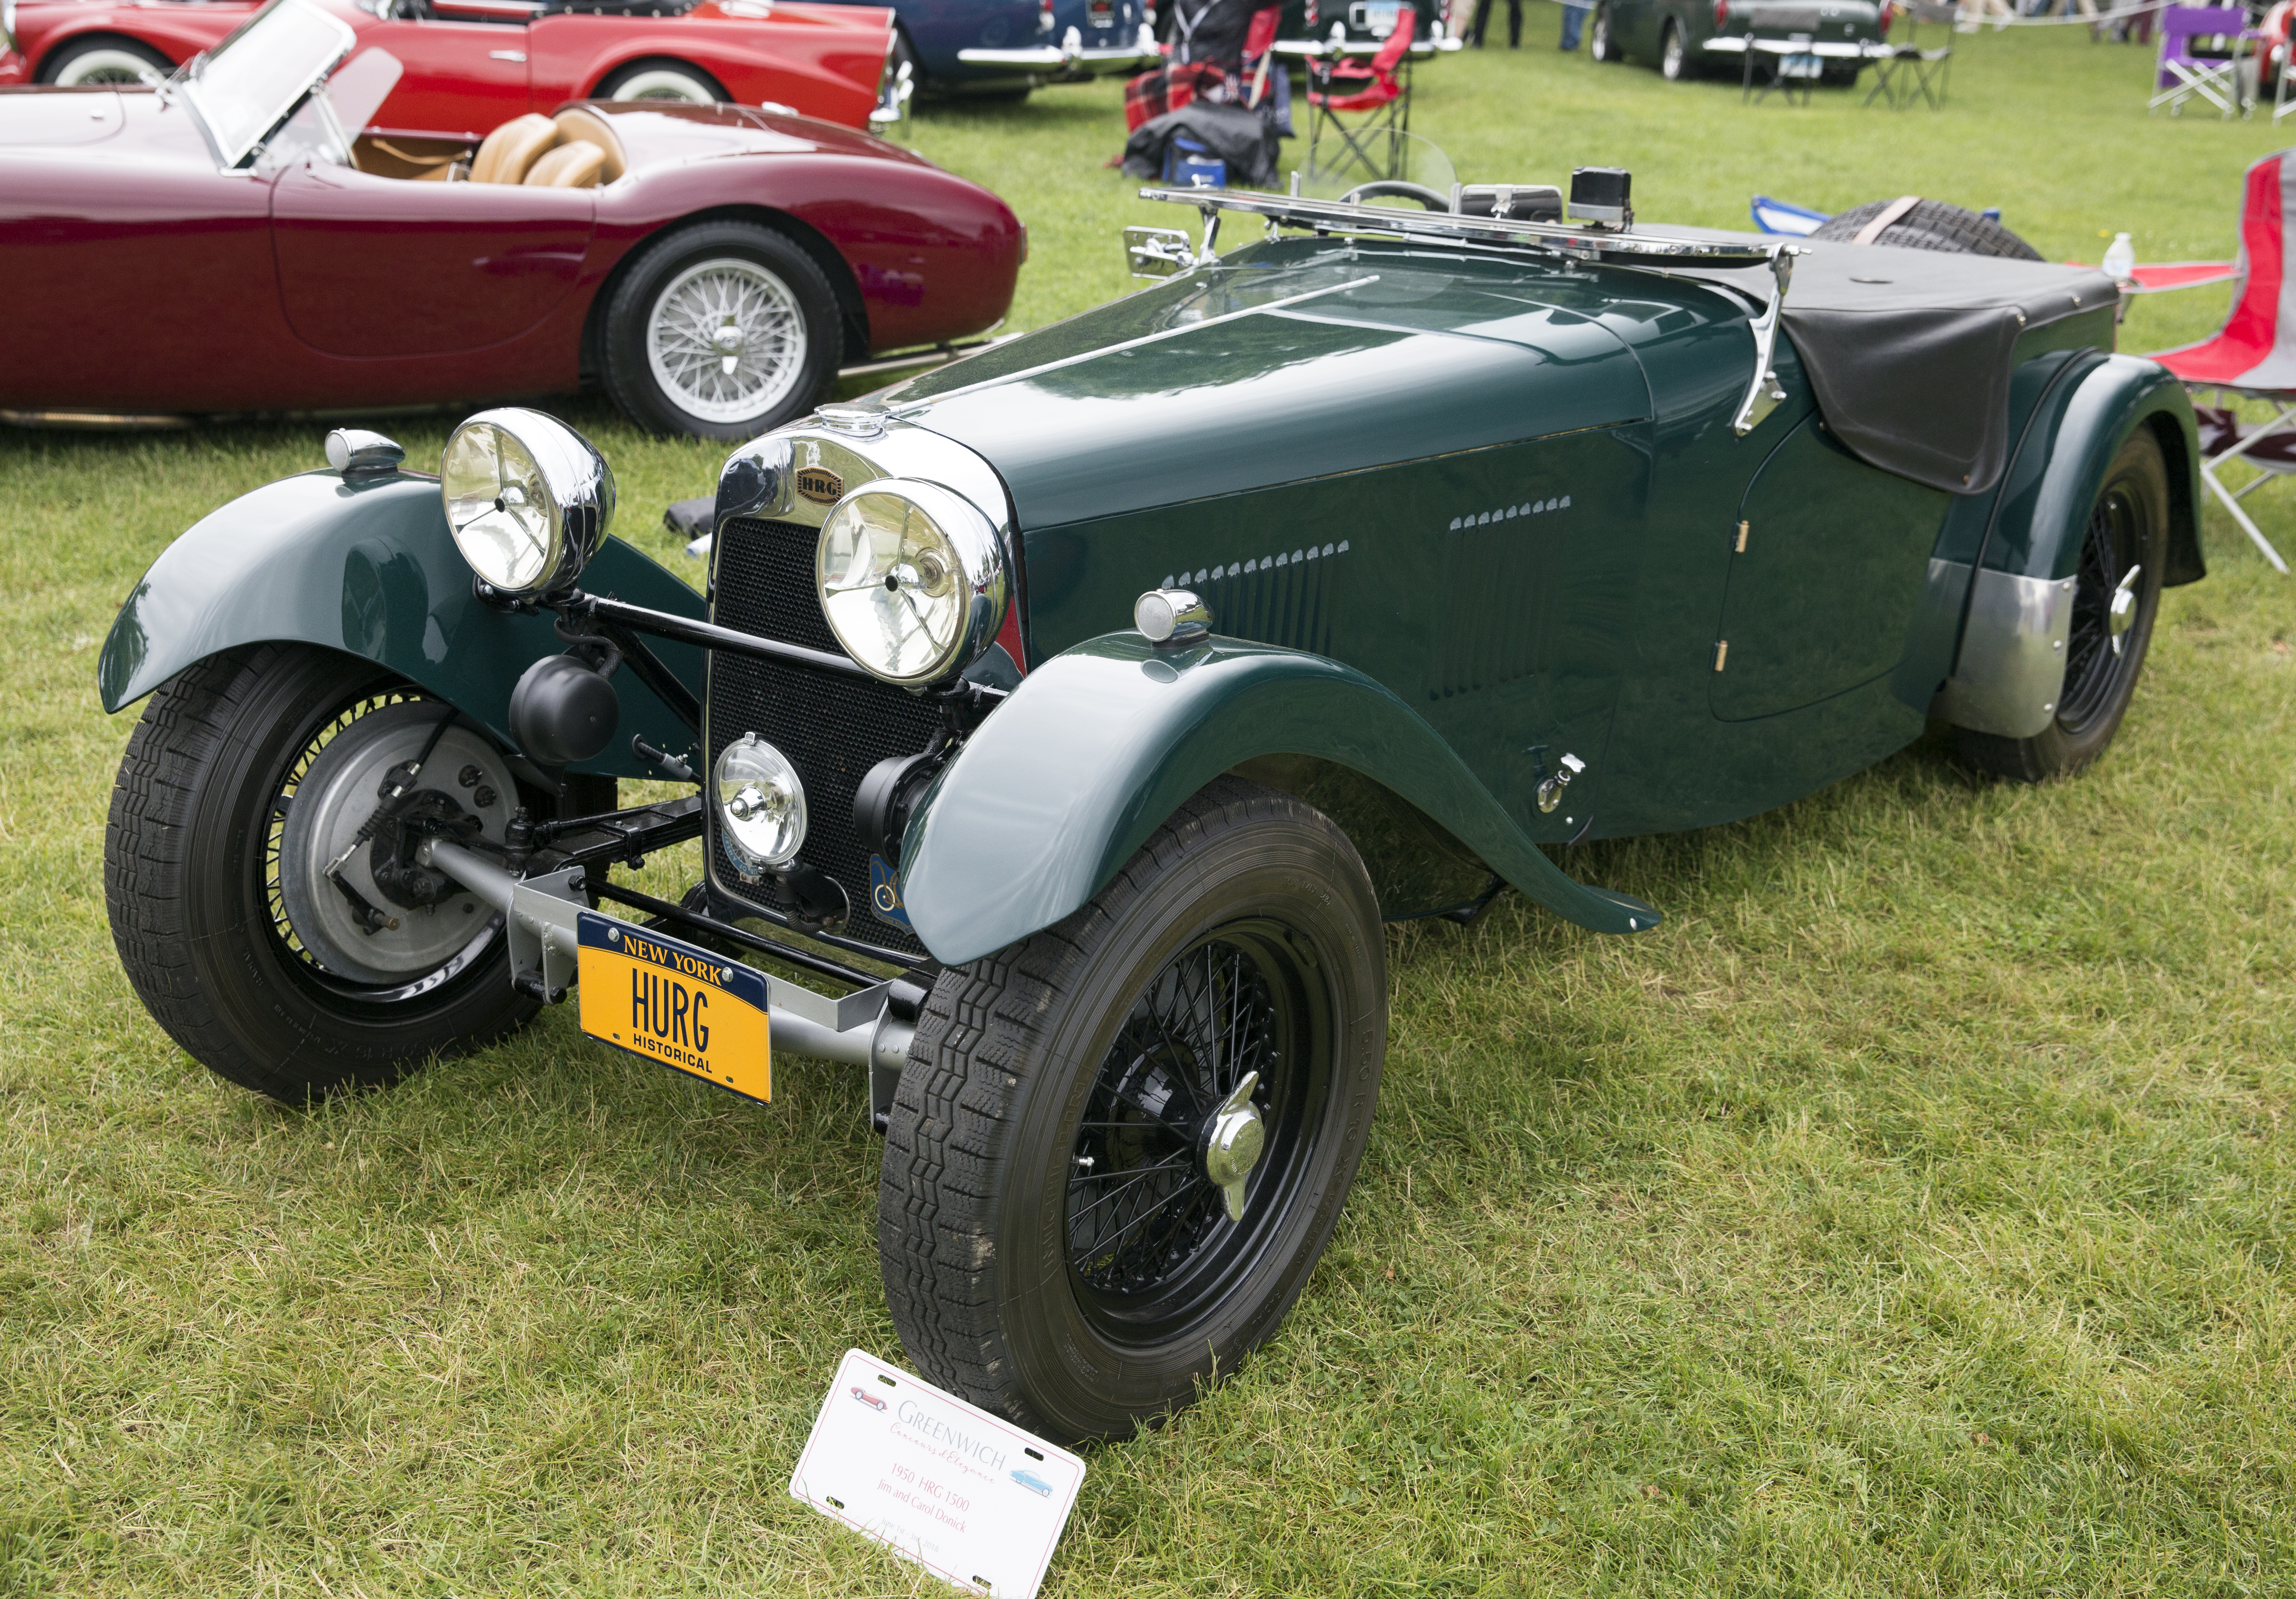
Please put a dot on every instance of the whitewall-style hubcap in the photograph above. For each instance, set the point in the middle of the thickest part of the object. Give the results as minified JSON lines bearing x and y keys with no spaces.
{"x":108,"y":66}
{"x":726,"y":341}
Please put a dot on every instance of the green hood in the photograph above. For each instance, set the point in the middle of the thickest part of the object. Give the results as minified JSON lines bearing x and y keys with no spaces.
{"x":1289,"y":361}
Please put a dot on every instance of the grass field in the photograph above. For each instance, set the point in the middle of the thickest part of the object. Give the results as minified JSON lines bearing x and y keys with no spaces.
{"x":1910,"y":1216}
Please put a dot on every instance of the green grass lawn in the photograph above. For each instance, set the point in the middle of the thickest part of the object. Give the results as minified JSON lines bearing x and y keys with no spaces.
{"x":1910,"y":1216}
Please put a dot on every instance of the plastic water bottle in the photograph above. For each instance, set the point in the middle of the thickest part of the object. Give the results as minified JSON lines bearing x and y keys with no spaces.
{"x":2120,"y":259}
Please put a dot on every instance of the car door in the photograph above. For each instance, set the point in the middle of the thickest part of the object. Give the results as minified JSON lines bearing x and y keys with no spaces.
{"x":1829,"y":559}
{"x":385,"y":266}
{"x":466,"y":65}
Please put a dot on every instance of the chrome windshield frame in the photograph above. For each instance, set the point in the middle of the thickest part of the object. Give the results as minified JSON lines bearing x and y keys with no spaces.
{"x":1634,"y":248}
{"x":185,"y":84}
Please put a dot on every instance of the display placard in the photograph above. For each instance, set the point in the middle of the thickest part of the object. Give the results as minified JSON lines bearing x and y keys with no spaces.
{"x":969,"y":1496}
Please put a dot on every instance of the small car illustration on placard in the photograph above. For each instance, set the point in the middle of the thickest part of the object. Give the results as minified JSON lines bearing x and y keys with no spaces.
{"x":869,"y":1398}
{"x":1033,"y":1483}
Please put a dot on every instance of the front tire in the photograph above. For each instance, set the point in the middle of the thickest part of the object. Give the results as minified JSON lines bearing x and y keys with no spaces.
{"x":101,"y":60}
{"x":723,"y":329}
{"x":2128,"y":527}
{"x":238,"y":962}
{"x":1056,"y":1246}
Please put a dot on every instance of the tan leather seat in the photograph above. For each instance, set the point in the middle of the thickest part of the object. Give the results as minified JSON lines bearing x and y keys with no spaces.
{"x":576,"y":122}
{"x":574,"y":166}
{"x":511,"y":150}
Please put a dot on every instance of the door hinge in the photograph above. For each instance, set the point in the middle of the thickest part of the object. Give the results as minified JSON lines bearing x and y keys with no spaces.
{"x":1741,"y":539}
{"x":1721,"y":653}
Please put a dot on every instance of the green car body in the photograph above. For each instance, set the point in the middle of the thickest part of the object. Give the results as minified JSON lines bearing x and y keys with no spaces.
{"x":1712,"y":35}
{"x":1341,"y":578}
{"x":1452,"y":525}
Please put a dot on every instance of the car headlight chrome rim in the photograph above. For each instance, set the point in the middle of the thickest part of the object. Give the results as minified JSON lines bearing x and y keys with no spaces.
{"x":527,"y":499}
{"x":760,"y":805}
{"x":912,"y":578}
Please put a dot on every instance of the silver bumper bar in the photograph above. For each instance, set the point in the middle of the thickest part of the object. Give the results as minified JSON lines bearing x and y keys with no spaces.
{"x":858,"y":1028}
{"x":1071,"y":58}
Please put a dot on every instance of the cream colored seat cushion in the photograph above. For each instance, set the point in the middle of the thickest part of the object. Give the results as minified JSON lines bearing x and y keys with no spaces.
{"x":574,"y":166}
{"x":511,"y":150}
{"x":576,"y":122}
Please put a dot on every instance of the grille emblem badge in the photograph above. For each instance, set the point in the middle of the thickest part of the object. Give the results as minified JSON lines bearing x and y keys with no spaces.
{"x":816,"y":482}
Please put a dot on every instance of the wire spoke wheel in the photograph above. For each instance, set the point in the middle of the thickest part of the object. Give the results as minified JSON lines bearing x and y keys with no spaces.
{"x":726,"y":341}
{"x":2094,"y":668}
{"x":1150,"y":1242}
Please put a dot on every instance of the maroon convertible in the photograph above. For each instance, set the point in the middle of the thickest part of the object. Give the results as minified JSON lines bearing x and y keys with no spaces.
{"x":233,"y":241}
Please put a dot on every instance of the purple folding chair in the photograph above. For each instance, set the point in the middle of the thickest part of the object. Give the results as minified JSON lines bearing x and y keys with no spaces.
{"x":2183,"y":73}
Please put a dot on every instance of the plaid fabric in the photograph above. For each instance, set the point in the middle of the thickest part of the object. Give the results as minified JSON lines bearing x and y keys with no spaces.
{"x":1167,"y":88}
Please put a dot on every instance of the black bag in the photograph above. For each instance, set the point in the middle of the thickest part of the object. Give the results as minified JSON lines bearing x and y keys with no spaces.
{"x":1239,"y":137}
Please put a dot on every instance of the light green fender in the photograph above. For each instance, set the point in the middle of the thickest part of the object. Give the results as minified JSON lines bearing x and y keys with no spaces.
{"x":1101,"y":744}
{"x":370,"y":569}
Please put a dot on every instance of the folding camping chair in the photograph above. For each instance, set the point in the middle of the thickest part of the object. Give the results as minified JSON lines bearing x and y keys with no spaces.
{"x":1341,"y":89}
{"x":2253,"y":355}
{"x":2181,"y":73}
{"x":1906,"y":72}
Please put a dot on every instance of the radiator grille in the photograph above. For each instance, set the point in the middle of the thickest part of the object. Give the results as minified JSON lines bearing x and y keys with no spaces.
{"x":832,"y":728}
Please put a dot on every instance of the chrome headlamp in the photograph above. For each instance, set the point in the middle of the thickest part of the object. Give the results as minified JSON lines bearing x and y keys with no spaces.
{"x":528,"y":499}
{"x":760,"y":805}
{"x":912,"y":578}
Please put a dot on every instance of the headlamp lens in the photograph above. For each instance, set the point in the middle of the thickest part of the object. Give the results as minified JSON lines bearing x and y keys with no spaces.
{"x":893,"y":587}
{"x":760,"y":805}
{"x":499,"y":507}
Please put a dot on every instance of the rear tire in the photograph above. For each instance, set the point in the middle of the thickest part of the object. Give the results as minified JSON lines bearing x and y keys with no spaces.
{"x":673,"y":80}
{"x":101,"y":60}
{"x":1602,"y":47}
{"x":2128,"y":527}
{"x":1089,"y":1063}
{"x":750,"y":283}
{"x":1932,"y":225}
{"x":194,"y":885}
{"x":1673,"y":54}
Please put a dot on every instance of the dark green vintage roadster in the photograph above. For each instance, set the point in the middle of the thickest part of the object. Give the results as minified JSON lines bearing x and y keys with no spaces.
{"x":1066,"y":722}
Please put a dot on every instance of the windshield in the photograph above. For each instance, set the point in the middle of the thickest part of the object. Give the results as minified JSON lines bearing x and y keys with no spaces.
{"x":246,"y":85}
{"x":323,"y":129}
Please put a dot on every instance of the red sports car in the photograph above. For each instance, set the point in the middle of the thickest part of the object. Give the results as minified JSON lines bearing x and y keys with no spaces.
{"x":471,"y":65}
{"x":220,"y":243}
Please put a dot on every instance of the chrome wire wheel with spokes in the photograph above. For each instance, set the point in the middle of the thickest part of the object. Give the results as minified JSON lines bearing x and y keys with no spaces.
{"x":723,"y":330}
{"x":726,"y":341}
{"x":1209,"y":1077}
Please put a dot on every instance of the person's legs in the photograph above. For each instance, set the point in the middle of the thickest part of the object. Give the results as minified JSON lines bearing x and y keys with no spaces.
{"x":1515,"y":24}
{"x":1574,"y":18}
{"x":1475,"y":28}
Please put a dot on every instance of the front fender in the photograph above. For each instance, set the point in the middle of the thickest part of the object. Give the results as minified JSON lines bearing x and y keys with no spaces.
{"x":1101,"y":744}
{"x":2010,"y":667}
{"x":371,"y":569}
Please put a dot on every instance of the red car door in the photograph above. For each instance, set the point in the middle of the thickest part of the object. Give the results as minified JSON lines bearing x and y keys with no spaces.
{"x":385,"y":266}
{"x":465,"y":61}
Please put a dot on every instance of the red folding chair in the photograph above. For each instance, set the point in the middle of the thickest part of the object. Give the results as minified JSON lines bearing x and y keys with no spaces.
{"x":1379,"y":95}
{"x":2253,"y":355}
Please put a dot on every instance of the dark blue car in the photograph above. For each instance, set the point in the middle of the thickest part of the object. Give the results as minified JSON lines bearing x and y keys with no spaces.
{"x":1008,"y":48}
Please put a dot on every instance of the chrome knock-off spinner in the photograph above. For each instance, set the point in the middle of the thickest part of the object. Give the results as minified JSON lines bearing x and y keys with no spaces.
{"x":1233,"y":1144}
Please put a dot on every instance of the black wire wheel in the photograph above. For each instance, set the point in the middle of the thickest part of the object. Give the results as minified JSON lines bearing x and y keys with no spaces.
{"x":2117,"y":583}
{"x":285,"y":940}
{"x":1119,"y":1148}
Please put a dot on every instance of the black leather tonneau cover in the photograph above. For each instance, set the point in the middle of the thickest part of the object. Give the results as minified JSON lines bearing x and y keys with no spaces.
{"x":1910,"y":351}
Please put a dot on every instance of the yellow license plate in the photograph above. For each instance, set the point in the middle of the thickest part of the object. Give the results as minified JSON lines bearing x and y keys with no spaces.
{"x":691,"y":1010}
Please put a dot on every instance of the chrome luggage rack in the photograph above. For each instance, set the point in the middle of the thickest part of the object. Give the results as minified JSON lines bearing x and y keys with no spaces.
{"x":1627,"y":246}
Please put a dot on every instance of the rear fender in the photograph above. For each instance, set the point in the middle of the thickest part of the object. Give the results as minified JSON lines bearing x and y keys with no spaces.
{"x":371,"y":569}
{"x":2010,"y":667}
{"x":1101,"y":744}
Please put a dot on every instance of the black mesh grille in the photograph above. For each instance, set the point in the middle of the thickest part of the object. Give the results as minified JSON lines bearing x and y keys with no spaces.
{"x":832,"y":728}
